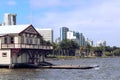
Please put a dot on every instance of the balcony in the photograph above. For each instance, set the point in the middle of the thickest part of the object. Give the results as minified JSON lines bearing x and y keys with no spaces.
{"x":26,"y":46}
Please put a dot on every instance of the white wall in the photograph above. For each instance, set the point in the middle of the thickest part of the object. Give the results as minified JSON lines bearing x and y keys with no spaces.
{"x":17,"y":39}
{"x":7,"y":59}
{"x":0,"y":42}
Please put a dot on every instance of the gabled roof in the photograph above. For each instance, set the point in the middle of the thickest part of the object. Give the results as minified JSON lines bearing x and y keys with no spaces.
{"x":12,"y":29}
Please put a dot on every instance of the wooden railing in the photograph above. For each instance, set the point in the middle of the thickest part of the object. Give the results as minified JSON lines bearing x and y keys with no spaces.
{"x":26,"y":46}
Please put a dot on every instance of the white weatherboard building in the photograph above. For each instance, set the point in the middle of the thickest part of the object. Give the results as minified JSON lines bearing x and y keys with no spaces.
{"x":21,"y":44}
{"x":47,"y":34}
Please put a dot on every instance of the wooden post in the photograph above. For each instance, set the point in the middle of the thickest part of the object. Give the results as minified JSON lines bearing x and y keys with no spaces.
{"x":43,"y":57}
{"x":11,"y":66}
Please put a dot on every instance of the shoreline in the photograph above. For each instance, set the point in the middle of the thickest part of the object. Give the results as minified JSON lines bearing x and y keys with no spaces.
{"x":76,"y":57}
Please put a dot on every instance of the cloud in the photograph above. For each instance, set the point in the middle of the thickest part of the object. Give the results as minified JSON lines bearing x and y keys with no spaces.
{"x":98,"y":18}
{"x":35,"y":4}
{"x":43,"y":3}
{"x":11,"y":3}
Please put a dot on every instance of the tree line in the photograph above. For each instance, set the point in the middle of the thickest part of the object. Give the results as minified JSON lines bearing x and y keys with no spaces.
{"x":71,"y":48}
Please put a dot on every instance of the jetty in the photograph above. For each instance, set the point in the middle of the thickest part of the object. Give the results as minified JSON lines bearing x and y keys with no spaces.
{"x":67,"y":67}
{"x":48,"y":65}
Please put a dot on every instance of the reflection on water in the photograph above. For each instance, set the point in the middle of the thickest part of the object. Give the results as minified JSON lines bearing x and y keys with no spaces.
{"x":19,"y":74}
{"x":109,"y":69}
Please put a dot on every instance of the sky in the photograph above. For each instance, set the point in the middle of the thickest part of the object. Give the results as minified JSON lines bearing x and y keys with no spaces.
{"x":96,"y":19}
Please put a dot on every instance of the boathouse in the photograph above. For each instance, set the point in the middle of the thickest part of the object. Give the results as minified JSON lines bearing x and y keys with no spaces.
{"x":21,"y":44}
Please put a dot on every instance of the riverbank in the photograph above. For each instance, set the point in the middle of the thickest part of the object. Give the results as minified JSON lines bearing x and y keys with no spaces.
{"x":76,"y":57}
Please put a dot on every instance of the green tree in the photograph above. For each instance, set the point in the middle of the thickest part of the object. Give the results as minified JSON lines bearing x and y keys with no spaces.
{"x":108,"y":49}
{"x":108,"y":53}
{"x":116,"y":52}
{"x":68,"y":47}
{"x":98,"y":51}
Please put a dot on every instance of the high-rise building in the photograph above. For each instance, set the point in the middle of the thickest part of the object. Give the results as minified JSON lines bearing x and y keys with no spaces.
{"x":9,"y":19}
{"x":63,"y":33}
{"x":47,"y":34}
{"x":76,"y":36}
{"x":101,"y":43}
{"x":89,"y":42}
{"x":82,"y":39}
{"x":71,"y":35}
{"x":57,"y":41}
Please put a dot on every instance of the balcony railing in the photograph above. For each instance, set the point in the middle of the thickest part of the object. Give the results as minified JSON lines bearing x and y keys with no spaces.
{"x":26,"y":46}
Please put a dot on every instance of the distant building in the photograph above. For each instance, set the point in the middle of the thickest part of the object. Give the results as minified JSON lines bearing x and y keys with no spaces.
{"x":9,"y":19}
{"x":71,"y":35}
{"x":82,"y":39}
{"x":89,"y":42}
{"x":101,"y":43}
{"x":63,"y":33}
{"x":76,"y":36}
{"x":57,"y":41}
{"x":47,"y":34}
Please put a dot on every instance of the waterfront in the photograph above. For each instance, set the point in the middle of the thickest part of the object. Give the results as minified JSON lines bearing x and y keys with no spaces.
{"x":109,"y":69}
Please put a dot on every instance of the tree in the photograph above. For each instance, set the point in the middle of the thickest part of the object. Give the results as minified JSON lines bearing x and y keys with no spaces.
{"x":108,"y":54}
{"x":98,"y":51}
{"x":116,"y":52}
{"x":68,"y":47}
{"x":108,"y":49}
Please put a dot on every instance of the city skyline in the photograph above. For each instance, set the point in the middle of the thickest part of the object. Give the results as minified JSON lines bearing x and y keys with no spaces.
{"x":97,"y":20}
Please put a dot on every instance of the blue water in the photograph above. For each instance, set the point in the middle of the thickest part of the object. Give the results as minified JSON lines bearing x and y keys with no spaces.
{"x":109,"y":69}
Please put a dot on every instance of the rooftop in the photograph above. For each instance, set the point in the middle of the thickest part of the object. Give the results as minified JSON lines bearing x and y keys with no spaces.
{"x":43,"y":29}
{"x":12,"y":29}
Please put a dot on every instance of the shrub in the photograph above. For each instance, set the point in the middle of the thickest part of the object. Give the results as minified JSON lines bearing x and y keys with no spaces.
{"x":116,"y":52}
{"x":108,"y":54}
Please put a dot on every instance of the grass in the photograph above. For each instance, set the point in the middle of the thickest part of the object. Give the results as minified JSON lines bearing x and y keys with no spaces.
{"x":69,"y":57}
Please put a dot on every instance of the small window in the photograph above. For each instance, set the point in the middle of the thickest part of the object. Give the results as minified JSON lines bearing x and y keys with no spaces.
{"x":12,"y":40}
{"x":36,"y":41}
{"x":31,"y":41}
{"x":5,"y":40}
{"x":22,"y":39}
{"x":4,"y":54}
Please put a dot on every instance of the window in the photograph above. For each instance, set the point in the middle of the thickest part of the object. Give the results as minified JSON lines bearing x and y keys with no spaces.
{"x":5,"y":40}
{"x":27,"y":41}
{"x":36,"y":41}
{"x":22,"y":39}
{"x":12,"y":40}
{"x":31,"y":41}
{"x":4,"y":54}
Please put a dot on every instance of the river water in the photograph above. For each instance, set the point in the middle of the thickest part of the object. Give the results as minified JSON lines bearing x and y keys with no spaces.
{"x":109,"y":69}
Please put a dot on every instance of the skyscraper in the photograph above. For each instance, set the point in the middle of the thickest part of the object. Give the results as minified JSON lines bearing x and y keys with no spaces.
{"x":76,"y":36}
{"x":101,"y":43}
{"x":63,"y":33}
{"x":9,"y":19}
{"x":89,"y":42}
{"x":82,"y":40}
